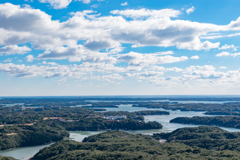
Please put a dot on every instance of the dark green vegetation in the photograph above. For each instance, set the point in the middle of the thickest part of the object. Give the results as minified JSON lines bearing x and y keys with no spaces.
{"x":39,"y":126}
{"x":6,"y":158}
{"x":230,"y":108}
{"x":223,"y":121}
{"x":16,"y":136}
{"x":96,"y":124}
{"x":223,"y":113}
{"x":152,"y":113}
{"x":113,"y":145}
{"x":212,"y":138}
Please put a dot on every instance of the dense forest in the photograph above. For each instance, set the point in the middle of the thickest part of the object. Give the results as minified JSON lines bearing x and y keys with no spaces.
{"x":121,"y":145}
{"x":212,"y":138}
{"x":96,"y":124}
{"x":38,"y":134}
{"x":223,"y":121}
{"x":46,"y":125}
{"x":13,"y":115}
{"x":227,"y":113}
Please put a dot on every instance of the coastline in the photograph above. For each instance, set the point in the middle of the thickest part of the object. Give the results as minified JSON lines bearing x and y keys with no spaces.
{"x":29,"y":158}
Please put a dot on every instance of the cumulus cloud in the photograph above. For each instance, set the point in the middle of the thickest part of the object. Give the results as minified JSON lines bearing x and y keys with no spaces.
{"x":227,"y":54}
{"x":100,"y":44}
{"x":223,"y":67}
{"x":203,"y":72}
{"x":57,"y":4}
{"x":146,"y":75}
{"x":50,"y":63}
{"x":124,"y":4}
{"x":223,"y":54}
{"x":75,"y":71}
{"x":111,"y":78}
{"x":97,"y":41}
{"x":60,"y":39}
{"x":139,"y":59}
{"x":226,"y":46}
{"x":165,"y":53}
{"x":61,"y":52}
{"x":142,"y":13}
{"x":190,"y":10}
{"x":30,"y":58}
{"x":14,"y":49}
{"x":194,"y":57}
{"x":85,"y":1}
{"x":234,"y":25}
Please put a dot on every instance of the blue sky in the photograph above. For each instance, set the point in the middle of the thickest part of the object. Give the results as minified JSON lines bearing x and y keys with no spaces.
{"x":105,"y":47}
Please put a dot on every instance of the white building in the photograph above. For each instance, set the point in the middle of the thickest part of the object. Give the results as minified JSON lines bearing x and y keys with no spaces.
{"x":115,"y":117}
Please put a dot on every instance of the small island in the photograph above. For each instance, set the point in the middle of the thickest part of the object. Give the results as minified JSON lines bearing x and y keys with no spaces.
{"x":223,"y":121}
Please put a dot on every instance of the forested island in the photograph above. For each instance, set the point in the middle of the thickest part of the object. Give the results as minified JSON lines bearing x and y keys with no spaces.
{"x":212,"y":138}
{"x":223,"y":121}
{"x":227,"y":113}
{"x":37,"y":134}
{"x":45,"y":125}
{"x":122,"y":145}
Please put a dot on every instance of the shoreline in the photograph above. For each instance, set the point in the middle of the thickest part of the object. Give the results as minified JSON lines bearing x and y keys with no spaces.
{"x":29,"y":158}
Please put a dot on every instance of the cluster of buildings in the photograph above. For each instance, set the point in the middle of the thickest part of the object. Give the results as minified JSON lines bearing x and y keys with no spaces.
{"x":114,"y":117}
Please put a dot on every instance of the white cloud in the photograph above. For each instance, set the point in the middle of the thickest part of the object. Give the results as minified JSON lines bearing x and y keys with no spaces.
{"x":223,"y":54}
{"x":59,"y":39}
{"x":218,"y":35}
{"x":160,"y":68}
{"x":94,"y":6}
{"x":194,"y":57}
{"x":75,"y":71}
{"x":57,"y":4}
{"x":138,"y":59}
{"x":165,"y":53}
{"x":14,"y":49}
{"x":141,"y":13}
{"x":100,"y":44}
{"x":190,"y":10}
{"x":227,"y":54}
{"x":63,"y":80}
{"x":146,"y":75}
{"x":223,"y":67}
{"x":30,"y":58}
{"x":27,"y":6}
{"x":50,"y":63}
{"x":85,"y":1}
{"x":111,"y":78}
{"x":8,"y":60}
{"x":226,"y":46}
{"x":124,"y":4}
